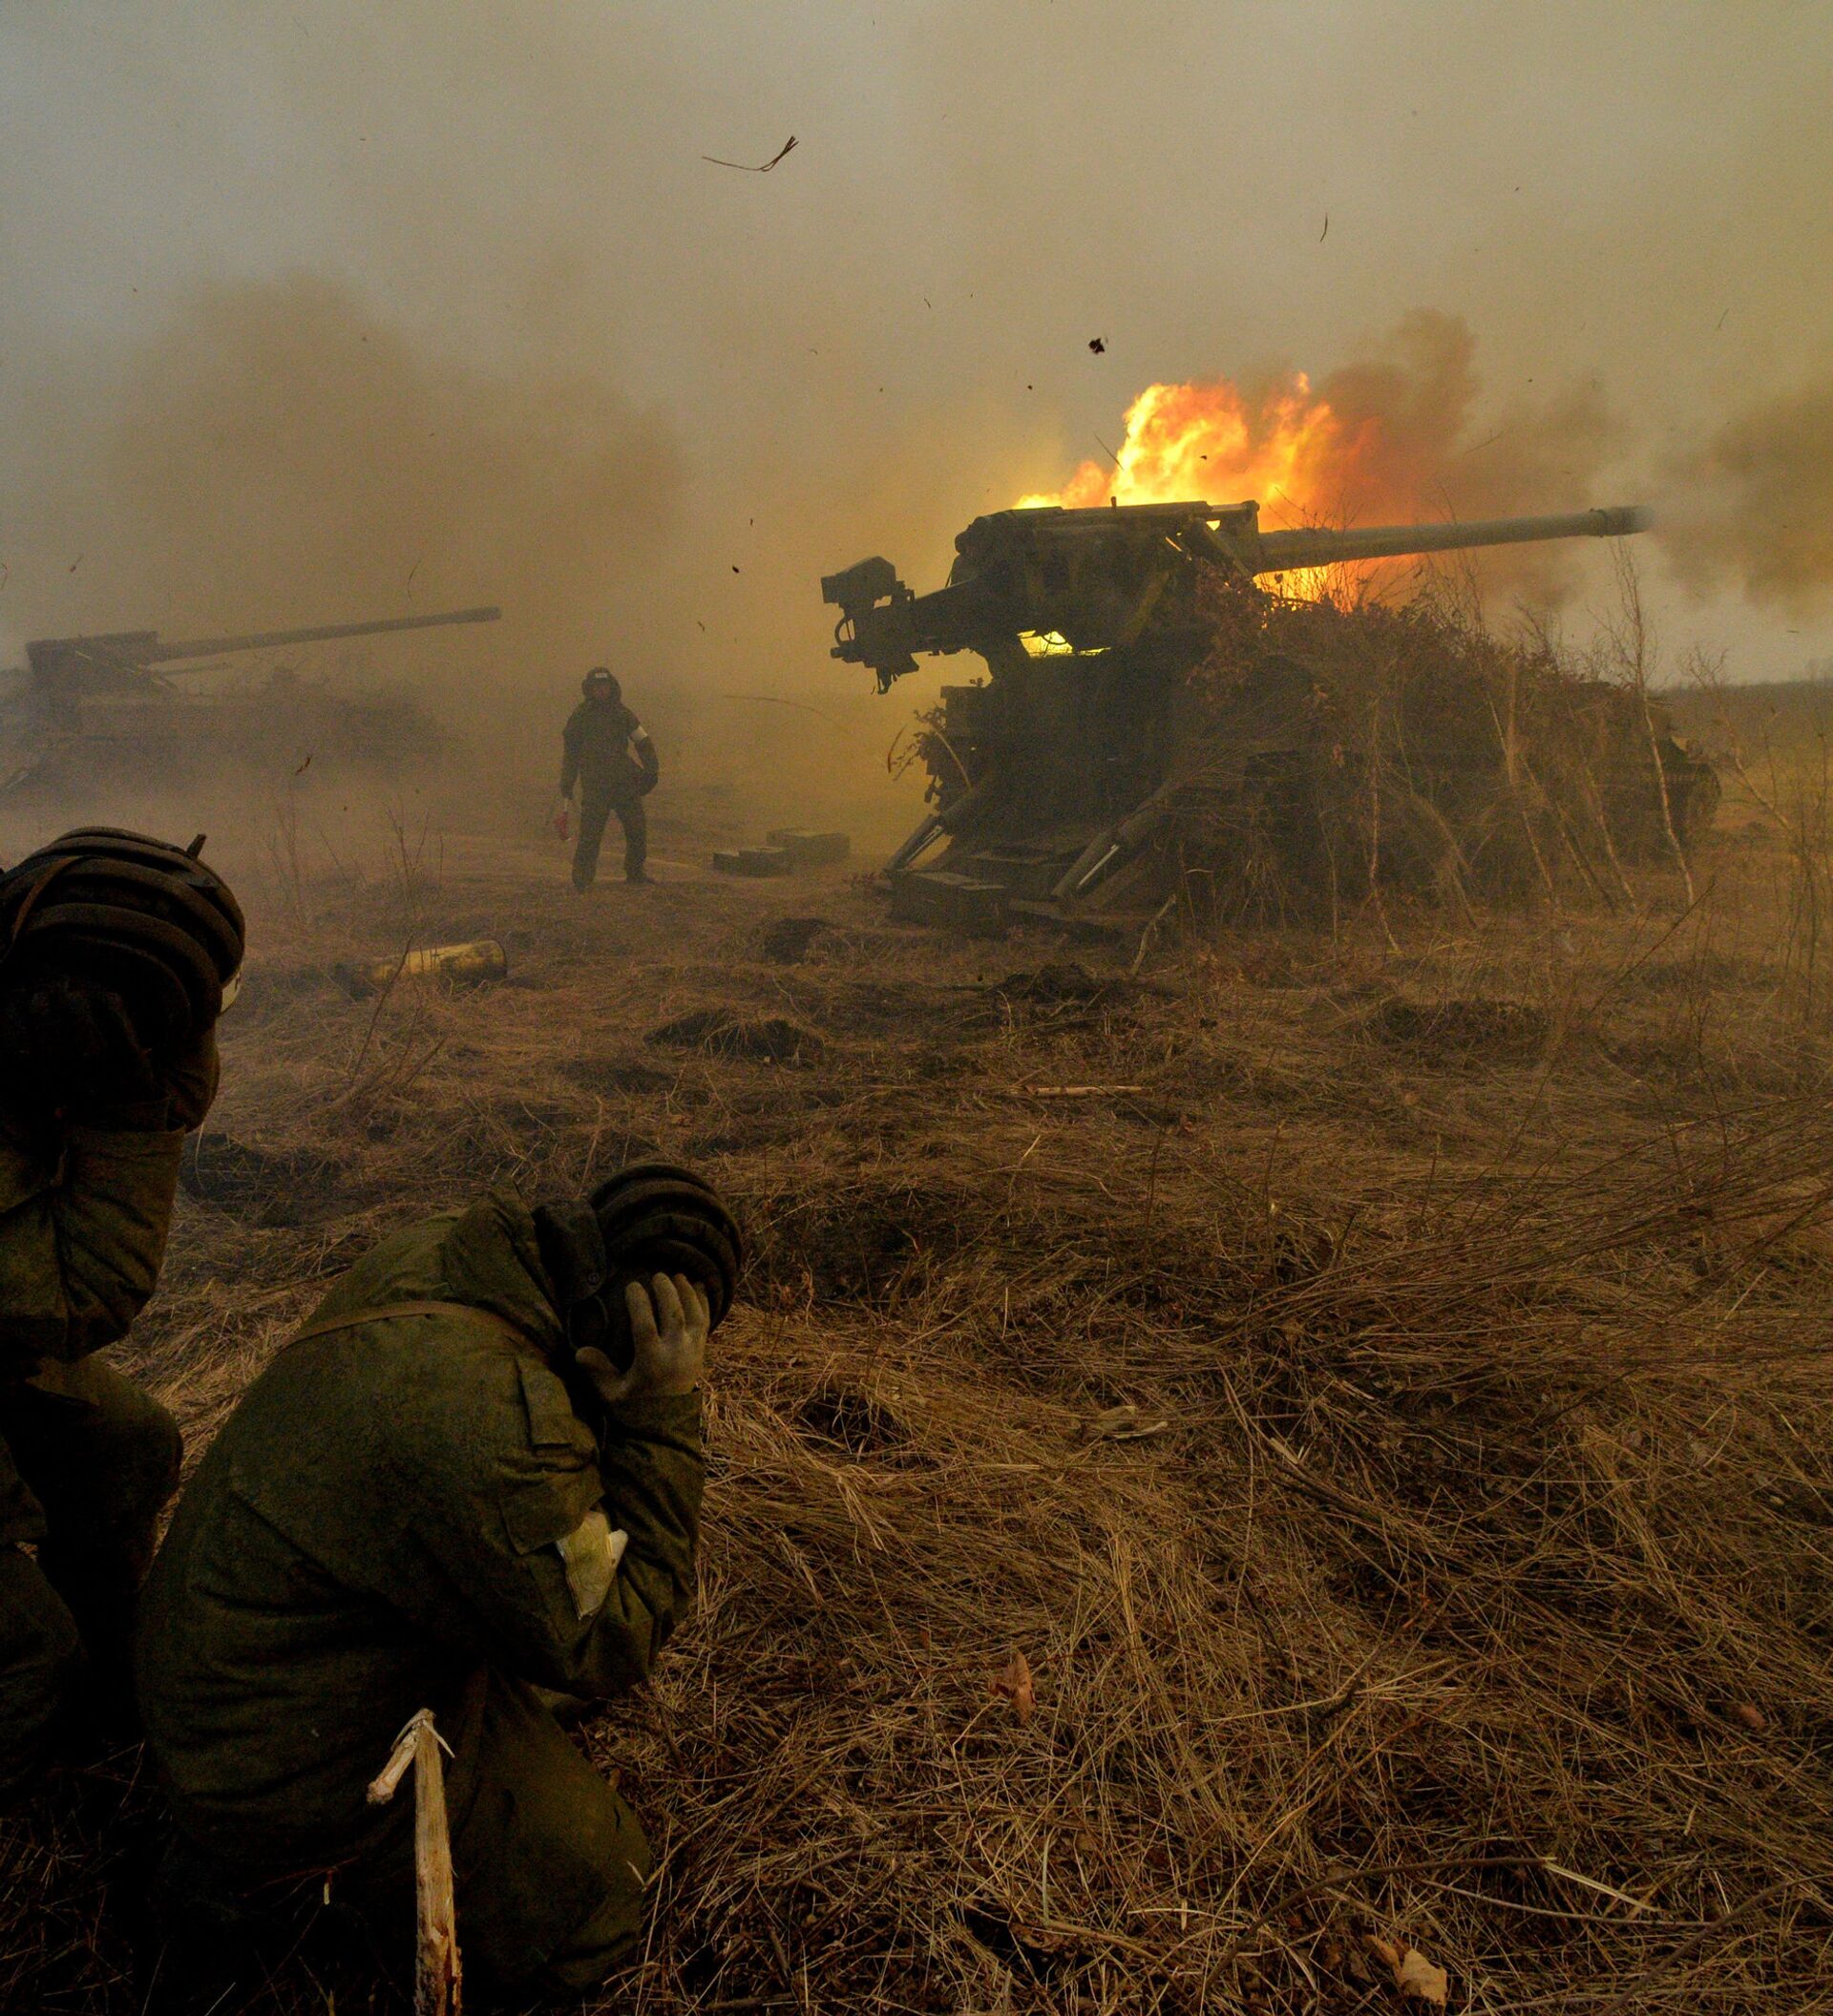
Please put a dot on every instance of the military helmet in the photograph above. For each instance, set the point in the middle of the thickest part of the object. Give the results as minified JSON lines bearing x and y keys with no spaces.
{"x":147,"y":920}
{"x":601,"y":681}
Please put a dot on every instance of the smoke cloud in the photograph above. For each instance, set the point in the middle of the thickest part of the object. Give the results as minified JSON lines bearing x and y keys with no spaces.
{"x":1391,"y":437}
{"x":324,"y":313}
{"x":277,"y":452}
{"x":1754,"y":504}
{"x":1420,"y":399}
{"x":1434,"y":450}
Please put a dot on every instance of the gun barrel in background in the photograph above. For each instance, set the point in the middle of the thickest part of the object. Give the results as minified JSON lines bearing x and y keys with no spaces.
{"x":320,"y":633}
{"x":1277,"y":552}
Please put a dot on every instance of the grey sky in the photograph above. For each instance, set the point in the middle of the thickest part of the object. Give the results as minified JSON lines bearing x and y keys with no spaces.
{"x":1632,"y":194}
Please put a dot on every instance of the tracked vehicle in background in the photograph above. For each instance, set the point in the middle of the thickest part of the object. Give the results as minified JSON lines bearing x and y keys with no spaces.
{"x":1141,"y":706}
{"x":104,"y":710}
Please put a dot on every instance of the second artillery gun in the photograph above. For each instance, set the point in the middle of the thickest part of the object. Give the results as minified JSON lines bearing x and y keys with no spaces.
{"x":104,"y":708}
{"x":1060,"y":785}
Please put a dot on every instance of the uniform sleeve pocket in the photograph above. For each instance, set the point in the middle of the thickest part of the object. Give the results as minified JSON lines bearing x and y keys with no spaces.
{"x":590,"y":1555}
{"x":551,"y":1423}
{"x":543,"y":1515}
{"x":588,"y":1549}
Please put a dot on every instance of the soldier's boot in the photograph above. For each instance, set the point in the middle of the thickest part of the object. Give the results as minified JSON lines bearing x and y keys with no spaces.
{"x":208,"y":1943}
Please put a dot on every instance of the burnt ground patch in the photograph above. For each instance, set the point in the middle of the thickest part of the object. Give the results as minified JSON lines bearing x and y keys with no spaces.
{"x":1466,"y":1026}
{"x":265,"y":1186}
{"x":716,"y":1032}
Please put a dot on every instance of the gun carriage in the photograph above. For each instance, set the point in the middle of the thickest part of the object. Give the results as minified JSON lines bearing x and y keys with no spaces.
{"x":1058,"y":780}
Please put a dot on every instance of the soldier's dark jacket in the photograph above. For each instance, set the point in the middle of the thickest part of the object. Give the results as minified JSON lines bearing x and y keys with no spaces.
{"x":395,"y":1507}
{"x":597,"y":742}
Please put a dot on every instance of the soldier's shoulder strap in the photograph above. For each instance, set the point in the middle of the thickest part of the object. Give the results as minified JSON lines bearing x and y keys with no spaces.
{"x":387,"y":1312}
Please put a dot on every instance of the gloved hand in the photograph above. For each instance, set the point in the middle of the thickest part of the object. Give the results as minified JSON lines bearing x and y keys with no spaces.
{"x":669,"y":1323}
{"x":72,"y":1046}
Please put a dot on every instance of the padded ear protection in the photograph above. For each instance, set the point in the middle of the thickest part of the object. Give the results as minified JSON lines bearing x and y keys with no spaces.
{"x":145,"y":920}
{"x":652,"y":1218}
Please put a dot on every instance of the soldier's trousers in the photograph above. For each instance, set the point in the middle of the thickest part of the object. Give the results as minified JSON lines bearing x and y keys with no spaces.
{"x":84,"y":1472}
{"x":594,"y":811}
{"x":548,"y":1864}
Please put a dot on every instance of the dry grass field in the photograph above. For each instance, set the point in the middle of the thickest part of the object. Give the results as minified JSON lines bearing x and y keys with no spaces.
{"x":1378,"y":1392}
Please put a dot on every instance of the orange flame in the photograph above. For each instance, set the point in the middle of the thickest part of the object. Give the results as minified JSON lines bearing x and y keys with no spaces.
{"x":1287,"y":448}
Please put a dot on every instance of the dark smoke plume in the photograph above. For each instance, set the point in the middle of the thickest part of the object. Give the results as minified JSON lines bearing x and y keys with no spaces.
{"x":1432,"y":441}
{"x":276,"y":455}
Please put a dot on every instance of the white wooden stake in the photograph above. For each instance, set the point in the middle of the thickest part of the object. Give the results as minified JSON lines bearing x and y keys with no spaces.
{"x":437,"y":1972}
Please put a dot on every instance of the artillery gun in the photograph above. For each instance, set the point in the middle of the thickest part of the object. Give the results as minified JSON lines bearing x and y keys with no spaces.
{"x":103,"y":708}
{"x":1060,"y":784}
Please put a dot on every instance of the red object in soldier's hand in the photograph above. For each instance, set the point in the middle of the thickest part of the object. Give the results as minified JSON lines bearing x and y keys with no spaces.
{"x":564,"y":823}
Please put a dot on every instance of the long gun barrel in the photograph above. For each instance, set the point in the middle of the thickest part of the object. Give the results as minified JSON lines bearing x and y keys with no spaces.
{"x":1277,"y":552}
{"x":1096,"y":579}
{"x":119,"y":660}
{"x":320,"y":633}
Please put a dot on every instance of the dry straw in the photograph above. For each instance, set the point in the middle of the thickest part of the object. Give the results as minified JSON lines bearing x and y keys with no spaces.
{"x":1472,"y":1605}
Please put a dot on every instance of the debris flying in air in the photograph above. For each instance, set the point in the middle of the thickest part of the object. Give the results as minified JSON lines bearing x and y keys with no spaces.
{"x":754,"y":167}
{"x":1098,"y":344}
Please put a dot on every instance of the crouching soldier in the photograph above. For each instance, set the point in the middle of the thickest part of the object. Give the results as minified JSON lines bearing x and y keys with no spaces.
{"x":475,"y":1474}
{"x":115,"y":952}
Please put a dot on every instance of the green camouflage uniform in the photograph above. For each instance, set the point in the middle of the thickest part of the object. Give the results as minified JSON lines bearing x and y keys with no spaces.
{"x":407,"y":1511}
{"x":86,"y":1457}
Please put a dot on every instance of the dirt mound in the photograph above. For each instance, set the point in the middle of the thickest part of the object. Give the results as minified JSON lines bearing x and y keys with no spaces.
{"x":617,"y":1074}
{"x":1464,"y":1025}
{"x":1053,"y":984}
{"x":786,"y":940}
{"x":851,"y":1418}
{"x":767,"y":1040}
{"x":1060,"y":993}
{"x":853,"y":1237}
{"x":267,"y":1185}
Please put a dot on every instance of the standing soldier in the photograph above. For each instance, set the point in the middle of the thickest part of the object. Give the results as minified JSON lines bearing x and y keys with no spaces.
{"x":444,"y":1494}
{"x":599,"y":738}
{"x":114,"y":954}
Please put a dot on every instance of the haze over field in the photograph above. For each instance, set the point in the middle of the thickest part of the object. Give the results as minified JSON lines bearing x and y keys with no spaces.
{"x":321,"y":312}
{"x":1268,"y":1443}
